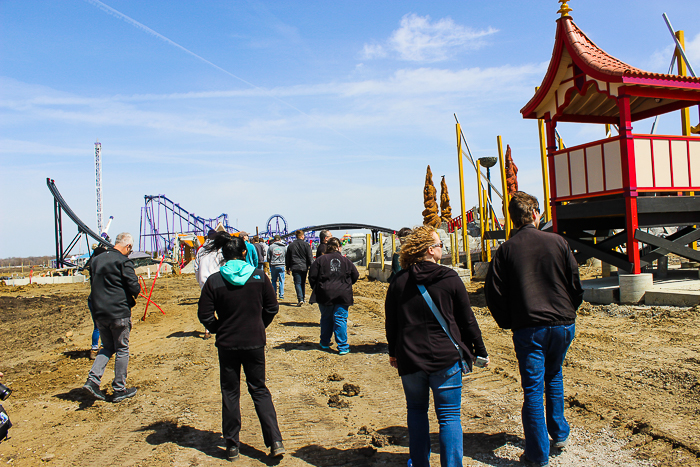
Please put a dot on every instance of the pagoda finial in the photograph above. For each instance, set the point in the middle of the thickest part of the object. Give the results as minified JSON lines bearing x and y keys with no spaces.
{"x":564,"y":10}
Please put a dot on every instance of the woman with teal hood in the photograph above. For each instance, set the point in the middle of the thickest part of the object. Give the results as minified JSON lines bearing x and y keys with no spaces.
{"x":236,"y":305}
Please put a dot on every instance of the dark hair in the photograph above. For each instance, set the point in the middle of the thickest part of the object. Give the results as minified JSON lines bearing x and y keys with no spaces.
{"x":231,"y":247}
{"x":299,"y":234}
{"x":332,"y":245}
{"x":405,"y":232}
{"x":277,"y":238}
{"x":325,"y":234}
{"x":520,"y":208}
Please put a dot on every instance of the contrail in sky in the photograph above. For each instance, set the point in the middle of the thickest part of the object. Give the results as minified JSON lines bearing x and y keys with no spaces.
{"x":146,"y":29}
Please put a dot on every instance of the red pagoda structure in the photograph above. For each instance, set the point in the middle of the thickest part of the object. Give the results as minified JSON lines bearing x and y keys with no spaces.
{"x":627,"y":182}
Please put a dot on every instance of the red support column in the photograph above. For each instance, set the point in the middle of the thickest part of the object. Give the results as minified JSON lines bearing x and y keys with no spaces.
{"x":551,"y":127}
{"x":629,"y":182}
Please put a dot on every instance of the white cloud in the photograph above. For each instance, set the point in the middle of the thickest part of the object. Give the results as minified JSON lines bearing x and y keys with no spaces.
{"x":420,"y":40}
{"x":692,"y":50}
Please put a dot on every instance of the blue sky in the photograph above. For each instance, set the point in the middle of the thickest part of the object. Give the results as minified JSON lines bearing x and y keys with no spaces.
{"x":320,"y":111}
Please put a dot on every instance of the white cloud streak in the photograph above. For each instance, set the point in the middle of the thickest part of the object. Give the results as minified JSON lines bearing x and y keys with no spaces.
{"x":420,"y":40}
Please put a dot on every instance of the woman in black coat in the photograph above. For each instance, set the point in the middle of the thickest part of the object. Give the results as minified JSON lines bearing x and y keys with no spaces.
{"x":422,"y":351}
{"x":331,"y":277}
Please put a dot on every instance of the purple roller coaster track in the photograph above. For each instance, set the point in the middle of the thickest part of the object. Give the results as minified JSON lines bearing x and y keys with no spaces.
{"x":162,"y":220}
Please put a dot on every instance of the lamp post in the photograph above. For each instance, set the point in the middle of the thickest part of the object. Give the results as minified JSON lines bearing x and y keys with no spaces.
{"x":488,"y":162}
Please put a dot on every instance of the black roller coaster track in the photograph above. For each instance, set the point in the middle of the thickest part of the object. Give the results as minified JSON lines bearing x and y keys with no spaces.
{"x":60,"y":205}
{"x":344,"y":226}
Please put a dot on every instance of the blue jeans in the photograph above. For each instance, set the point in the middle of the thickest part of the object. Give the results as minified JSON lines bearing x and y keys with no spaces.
{"x":334,"y":320}
{"x":95,"y":331}
{"x":541,"y":351}
{"x":277,"y":272}
{"x":447,"y":397}
{"x":300,"y":284}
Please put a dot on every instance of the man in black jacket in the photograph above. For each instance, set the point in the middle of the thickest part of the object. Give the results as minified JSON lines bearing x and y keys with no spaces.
{"x":533,"y":288}
{"x":114,"y":286}
{"x":298,"y":260}
{"x":323,"y":238}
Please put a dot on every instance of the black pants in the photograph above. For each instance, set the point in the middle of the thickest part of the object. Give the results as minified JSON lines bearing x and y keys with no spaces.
{"x":253,"y":362}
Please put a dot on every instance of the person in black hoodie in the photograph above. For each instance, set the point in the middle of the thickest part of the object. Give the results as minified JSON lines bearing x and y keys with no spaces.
{"x":422,"y":351}
{"x":237,"y":304}
{"x":533,"y":288}
{"x":113,"y":286}
{"x":331,"y":277}
{"x":298,"y":259}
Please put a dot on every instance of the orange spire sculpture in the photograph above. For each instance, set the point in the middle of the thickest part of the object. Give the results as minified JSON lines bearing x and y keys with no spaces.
{"x":430,"y":213}
{"x":511,"y":173}
{"x":445,"y":209}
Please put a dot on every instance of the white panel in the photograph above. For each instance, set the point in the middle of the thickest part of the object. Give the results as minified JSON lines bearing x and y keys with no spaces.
{"x":594,"y":161}
{"x":561,"y":92}
{"x":642,"y":161}
{"x":613,"y":165}
{"x":561,"y":171}
{"x":679,"y":163}
{"x":578,"y":172}
{"x":695,"y":163}
{"x":662,"y":163}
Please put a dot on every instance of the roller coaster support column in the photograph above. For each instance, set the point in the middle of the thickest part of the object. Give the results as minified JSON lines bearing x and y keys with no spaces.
{"x":393,"y":245}
{"x":504,"y":182}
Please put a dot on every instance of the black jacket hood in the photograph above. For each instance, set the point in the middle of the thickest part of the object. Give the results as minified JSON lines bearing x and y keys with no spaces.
{"x":427,"y":272}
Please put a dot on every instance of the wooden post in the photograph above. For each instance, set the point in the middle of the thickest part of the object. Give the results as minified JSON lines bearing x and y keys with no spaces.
{"x":685,"y":112}
{"x":545,"y":171}
{"x":368,"y":243}
{"x":381,"y":250}
{"x":463,"y":210}
{"x":629,"y":177}
{"x":454,"y":248}
{"x":393,"y":244}
{"x":504,"y":183}
{"x":489,"y":221}
{"x":481,"y":209}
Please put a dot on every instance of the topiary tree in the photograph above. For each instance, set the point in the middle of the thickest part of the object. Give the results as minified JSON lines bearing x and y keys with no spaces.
{"x":430,"y":213}
{"x":445,"y":209}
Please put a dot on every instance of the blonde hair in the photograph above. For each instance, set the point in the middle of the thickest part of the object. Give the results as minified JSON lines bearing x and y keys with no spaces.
{"x":415,"y":246}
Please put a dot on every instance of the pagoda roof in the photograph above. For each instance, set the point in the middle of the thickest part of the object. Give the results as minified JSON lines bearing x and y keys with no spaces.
{"x":583,"y":84}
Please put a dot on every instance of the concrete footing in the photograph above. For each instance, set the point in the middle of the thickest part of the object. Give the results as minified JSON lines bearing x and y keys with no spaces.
{"x":633,"y":286}
{"x":47,"y":280}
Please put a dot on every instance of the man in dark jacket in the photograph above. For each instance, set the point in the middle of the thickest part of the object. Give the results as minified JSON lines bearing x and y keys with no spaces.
{"x":323,"y":238}
{"x":298,"y":260}
{"x":533,"y":288}
{"x":114,"y":286}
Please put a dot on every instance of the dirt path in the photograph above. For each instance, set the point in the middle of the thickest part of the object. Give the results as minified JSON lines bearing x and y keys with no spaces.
{"x":631,"y":382}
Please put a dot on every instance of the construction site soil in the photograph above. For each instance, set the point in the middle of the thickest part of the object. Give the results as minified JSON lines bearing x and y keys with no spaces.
{"x":631,"y":380}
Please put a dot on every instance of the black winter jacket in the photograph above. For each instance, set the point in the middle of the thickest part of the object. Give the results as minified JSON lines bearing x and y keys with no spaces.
{"x":331,"y":278}
{"x":533,"y":280}
{"x":414,"y":335}
{"x":113,"y":285}
{"x":299,"y":256}
{"x":238,"y":314}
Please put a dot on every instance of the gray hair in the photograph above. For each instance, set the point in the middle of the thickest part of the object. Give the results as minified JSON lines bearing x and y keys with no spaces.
{"x":124,"y":239}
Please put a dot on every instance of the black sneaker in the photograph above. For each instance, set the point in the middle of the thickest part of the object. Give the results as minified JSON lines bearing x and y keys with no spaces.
{"x":277,"y":449}
{"x":94,"y":390}
{"x":232,"y":453}
{"x":119,"y":396}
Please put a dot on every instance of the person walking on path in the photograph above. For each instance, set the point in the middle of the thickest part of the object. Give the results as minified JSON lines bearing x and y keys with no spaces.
{"x":252,"y":255}
{"x":395,"y":263}
{"x":113,"y":289}
{"x":298,"y":260}
{"x":237,"y":304}
{"x":276,"y":256}
{"x":533,"y":288}
{"x":265,"y":265}
{"x":97,"y":249}
{"x":206,"y":263}
{"x":323,"y":237}
{"x":331,"y":277}
{"x":427,"y":358}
